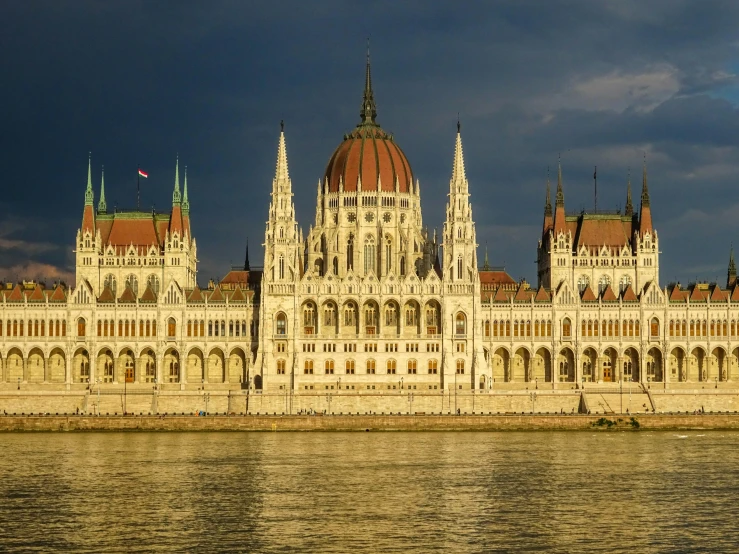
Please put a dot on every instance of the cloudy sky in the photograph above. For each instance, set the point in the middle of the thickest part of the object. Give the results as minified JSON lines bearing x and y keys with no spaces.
{"x":137,"y":82}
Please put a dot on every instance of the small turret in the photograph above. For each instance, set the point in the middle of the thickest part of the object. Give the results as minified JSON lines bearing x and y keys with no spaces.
{"x":731,"y":277}
{"x":102,"y":205}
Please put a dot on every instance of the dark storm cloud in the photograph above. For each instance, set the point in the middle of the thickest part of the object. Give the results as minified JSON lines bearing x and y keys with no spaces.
{"x":599,"y":82}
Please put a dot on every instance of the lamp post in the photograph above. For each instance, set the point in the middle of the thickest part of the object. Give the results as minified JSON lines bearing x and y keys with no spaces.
{"x":537,"y":383}
{"x":716,"y":378}
{"x":206,"y":396}
{"x":248,"y":388}
{"x":328,"y":399}
{"x":98,"y":381}
{"x":401,"y":383}
{"x":533,"y":401}
{"x":410,"y":403}
{"x":19,"y":383}
{"x":338,"y":384}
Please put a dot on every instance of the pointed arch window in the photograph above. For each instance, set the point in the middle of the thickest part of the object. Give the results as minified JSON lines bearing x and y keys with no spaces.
{"x":350,"y":253}
{"x":388,"y":254}
{"x":153,"y":282}
{"x":133,"y":282}
{"x":459,"y":267}
{"x":281,"y":267}
{"x":369,"y":254}
{"x":110,"y":282}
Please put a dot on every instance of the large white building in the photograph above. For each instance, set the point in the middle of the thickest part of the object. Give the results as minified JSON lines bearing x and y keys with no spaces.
{"x":367,"y":299}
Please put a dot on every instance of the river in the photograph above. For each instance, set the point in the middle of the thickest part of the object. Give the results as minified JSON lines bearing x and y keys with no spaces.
{"x":370,"y":492}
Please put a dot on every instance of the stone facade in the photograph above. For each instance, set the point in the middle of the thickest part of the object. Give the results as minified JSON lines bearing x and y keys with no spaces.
{"x":368,"y":303}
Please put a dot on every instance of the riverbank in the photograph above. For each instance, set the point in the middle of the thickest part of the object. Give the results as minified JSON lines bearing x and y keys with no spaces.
{"x":365,"y":423}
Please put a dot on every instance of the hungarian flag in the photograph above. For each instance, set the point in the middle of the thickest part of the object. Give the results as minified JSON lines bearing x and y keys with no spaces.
{"x":143,"y":173}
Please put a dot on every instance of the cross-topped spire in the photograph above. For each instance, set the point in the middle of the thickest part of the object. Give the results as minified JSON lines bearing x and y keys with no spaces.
{"x":185,"y":199}
{"x":176,"y":195}
{"x":102,"y":205}
{"x":88,"y":191}
{"x":281,"y":172}
{"x":368,"y":112}
{"x":560,"y":192}
{"x":644,"y":188}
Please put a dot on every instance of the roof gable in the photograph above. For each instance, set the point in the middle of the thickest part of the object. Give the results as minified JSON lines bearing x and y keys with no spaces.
{"x":629,"y":295}
{"x":149,"y":295}
{"x":542,"y":295}
{"x":238,"y":295}
{"x":717,"y":295}
{"x":608,"y":295}
{"x":521,"y":295}
{"x":106,"y":295}
{"x":128,"y":295}
{"x":16,"y":295}
{"x":500,"y":295}
{"x":37,"y":295}
{"x":195,"y":295}
{"x":588,"y":295}
{"x":59,"y":294}
{"x":216,"y":295}
{"x":697,"y":295}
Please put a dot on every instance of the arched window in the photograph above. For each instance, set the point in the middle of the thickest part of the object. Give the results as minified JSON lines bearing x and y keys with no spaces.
{"x":329,"y":315}
{"x":388,"y":254}
{"x":433,"y":367}
{"x":412,"y":367}
{"x":336,"y":265}
{"x":624,"y":283}
{"x":281,"y":267}
{"x":391,"y":367}
{"x":402,"y":265}
{"x":350,"y":315}
{"x":391,"y":315}
{"x":603,"y":283}
{"x":308,"y":367}
{"x":110,"y":282}
{"x":309,"y":319}
{"x":328,"y":366}
{"x":582,"y":283}
{"x":566,"y":328}
{"x":171,"y":328}
{"x":369,"y":254}
{"x":133,"y":282}
{"x":349,"y":367}
{"x":80,"y":327}
{"x":281,"y":324}
{"x":654,"y":327}
{"x":459,"y":267}
{"x":153,"y":282}
{"x":460,"y":367}
{"x":350,"y":253}
{"x":487,"y":328}
{"x":460,"y":324}
{"x":281,"y":367}
{"x":371,"y":367}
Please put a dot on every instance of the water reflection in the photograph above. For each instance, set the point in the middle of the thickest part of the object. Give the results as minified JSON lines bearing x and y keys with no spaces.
{"x":369,"y":492}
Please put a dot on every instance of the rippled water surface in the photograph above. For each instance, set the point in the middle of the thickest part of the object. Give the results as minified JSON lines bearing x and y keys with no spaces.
{"x":370,"y":492}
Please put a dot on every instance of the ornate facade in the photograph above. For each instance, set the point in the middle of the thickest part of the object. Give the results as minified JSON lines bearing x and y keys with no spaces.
{"x":367,"y":299}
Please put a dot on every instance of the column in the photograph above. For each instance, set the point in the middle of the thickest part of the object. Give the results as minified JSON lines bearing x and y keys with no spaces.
{"x":92,"y":370}
{"x":159,"y":361}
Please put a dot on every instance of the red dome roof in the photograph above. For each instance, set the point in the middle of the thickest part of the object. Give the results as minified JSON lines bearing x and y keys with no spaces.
{"x":369,"y":152}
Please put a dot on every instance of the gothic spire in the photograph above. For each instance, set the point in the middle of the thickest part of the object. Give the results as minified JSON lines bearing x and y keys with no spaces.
{"x":281,"y":172}
{"x":560,"y":192}
{"x":102,"y":205}
{"x":644,"y":188}
{"x":368,"y":113}
{"x":88,"y":191}
{"x":645,"y":215}
{"x":176,"y":195}
{"x":185,"y":199}
{"x":629,"y":209}
{"x":486,"y":266}
{"x":548,"y":201}
{"x":458,"y":174}
{"x":246,"y":258}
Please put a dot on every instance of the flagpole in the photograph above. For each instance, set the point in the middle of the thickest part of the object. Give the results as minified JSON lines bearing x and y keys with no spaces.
{"x":138,"y":188}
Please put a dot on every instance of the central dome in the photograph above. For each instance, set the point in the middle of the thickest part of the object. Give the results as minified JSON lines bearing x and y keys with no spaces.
{"x":368,"y":154}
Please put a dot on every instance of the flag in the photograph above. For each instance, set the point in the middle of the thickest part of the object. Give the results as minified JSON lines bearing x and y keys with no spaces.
{"x":143,"y":173}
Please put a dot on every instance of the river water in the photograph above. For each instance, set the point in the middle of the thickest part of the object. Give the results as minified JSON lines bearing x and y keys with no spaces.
{"x":370,"y":492}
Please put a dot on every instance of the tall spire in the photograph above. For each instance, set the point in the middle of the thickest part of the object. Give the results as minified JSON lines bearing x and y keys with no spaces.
{"x":246,"y":258}
{"x":644,"y":188}
{"x":368,"y":113}
{"x":102,"y":205}
{"x":560,"y":192}
{"x":185,"y":199}
{"x":88,"y":191}
{"x":629,"y":209}
{"x":458,"y":174}
{"x":645,"y":215}
{"x":731,"y":277}
{"x":486,"y":266}
{"x":547,"y":208}
{"x":560,"y":226}
{"x":282,"y":173}
{"x":176,"y":196}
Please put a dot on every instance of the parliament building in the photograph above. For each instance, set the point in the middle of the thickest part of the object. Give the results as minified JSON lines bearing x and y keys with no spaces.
{"x":367,"y":301}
